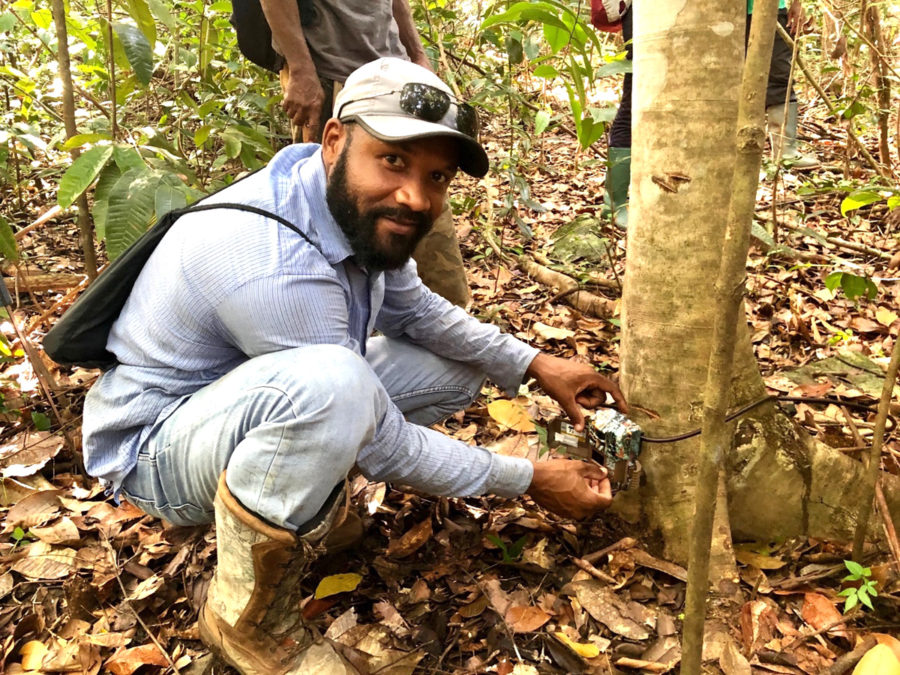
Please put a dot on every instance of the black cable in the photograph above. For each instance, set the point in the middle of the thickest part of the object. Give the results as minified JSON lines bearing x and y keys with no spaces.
{"x":824,"y":400}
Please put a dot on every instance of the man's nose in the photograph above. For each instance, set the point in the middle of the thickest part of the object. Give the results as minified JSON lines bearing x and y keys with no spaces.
{"x":413,"y":195}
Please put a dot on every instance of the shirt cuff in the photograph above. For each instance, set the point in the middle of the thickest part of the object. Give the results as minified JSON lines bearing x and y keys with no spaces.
{"x":508,"y":372}
{"x":509,"y":476}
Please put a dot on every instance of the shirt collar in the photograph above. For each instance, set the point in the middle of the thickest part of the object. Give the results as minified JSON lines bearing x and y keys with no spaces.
{"x":332,"y":241}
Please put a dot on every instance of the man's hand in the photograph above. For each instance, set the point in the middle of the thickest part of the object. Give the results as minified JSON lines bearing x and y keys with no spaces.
{"x":573,"y":384}
{"x":303,"y":99}
{"x":570,"y":488}
{"x":797,"y":22}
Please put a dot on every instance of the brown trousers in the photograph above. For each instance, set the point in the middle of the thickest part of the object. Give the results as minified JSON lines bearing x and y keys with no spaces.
{"x":438,"y":256}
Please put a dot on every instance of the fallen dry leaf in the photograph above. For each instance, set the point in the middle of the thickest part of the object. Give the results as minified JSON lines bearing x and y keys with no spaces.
{"x":337,"y":583}
{"x":44,"y":562}
{"x":526,"y":619}
{"x":510,"y":415}
{"x":879,"y":660}
{"x":586,"y":650}
{"x":411,"y":541}
{"x":127,"y":661}
{"x":819,"y":612}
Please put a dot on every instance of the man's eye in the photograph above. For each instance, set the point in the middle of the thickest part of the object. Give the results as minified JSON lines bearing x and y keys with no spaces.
{"x":440,"y":177}
{"x":393,"y":160}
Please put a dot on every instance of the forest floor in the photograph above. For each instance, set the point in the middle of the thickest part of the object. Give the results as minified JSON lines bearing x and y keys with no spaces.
{"x":479,"y":585}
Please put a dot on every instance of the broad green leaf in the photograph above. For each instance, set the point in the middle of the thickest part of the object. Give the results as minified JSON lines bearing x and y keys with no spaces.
{"x":137,"y":49}
{"x":105,"y":183}
{"x":201,"y":134}
{"x":893,"y":202}
{"x":43,"y":18}
{"x":858,"y":200}
{"x":41,"y":421}
{"x":759,"y":232}
{"x":617,"y":67}
{"x":546,"y":71}
{"x":131,"y":204}
{"x":83,"y":139}
{"x":127,"y":158}
{"x":854,"y":286}
{"x":541,"y":122}
{"x":162,"y":13}
{"x":851,"y":602}
{"x":541,"y":12}
{"x":337,"y":583}
{"x":221,"y":6}
{"x":82,"y":173}
{"x":514,"y":50}
{"x":833,"y":280}
{"x":856,"y":570}
{"x":168,"y":198}
{"x":139,"y":10}
{"x":556,"y":37}
{"x":8,"y":248}
{"x":7,"y":21}
{"x":233,"y":140}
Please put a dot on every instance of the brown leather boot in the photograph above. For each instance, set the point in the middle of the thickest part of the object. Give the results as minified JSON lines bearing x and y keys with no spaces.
{"x":251,"y":618}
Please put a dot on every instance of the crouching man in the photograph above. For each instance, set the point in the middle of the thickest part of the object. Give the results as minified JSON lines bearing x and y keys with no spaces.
{"x":248,"y":386}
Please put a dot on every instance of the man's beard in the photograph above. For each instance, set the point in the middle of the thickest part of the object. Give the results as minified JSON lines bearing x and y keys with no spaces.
{"x":360,"y":227}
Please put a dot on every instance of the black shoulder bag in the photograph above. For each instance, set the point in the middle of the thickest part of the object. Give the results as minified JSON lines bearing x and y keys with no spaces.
{"x":79,"y":338}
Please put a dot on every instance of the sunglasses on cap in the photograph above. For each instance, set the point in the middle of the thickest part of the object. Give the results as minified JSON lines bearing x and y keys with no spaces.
{"x":430,"y":104}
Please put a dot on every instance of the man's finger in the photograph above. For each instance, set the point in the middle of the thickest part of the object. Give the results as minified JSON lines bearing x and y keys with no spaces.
{"x":573,"y":411}
{"x":593,"y":471}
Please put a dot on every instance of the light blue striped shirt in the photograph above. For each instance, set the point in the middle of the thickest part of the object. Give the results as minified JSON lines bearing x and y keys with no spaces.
{"x":225,"y":286}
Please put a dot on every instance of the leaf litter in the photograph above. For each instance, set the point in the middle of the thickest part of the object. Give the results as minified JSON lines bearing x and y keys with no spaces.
{"x":479,"y":585}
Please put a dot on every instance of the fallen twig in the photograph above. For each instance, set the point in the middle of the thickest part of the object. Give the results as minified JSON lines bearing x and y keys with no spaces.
{"x":566,"y":287}
{"x":153,"y":638}
{"x":593,"y":571}
{"x":845,"y":662}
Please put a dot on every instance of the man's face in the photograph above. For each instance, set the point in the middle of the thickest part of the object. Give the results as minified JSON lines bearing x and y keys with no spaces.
{"x":385,"y":196}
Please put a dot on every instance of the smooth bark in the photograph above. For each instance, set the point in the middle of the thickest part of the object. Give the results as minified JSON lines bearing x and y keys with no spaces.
{"x":749,"y":143}
{"x":85,"y":226}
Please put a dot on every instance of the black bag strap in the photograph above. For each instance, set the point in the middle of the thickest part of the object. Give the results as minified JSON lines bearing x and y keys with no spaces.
{"x":242,"y":207}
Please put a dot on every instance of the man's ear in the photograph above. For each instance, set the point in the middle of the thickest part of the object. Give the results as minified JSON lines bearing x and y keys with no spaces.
{"x":333,"y":138}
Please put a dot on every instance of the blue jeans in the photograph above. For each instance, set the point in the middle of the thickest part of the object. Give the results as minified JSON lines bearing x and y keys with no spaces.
{"x":288,"y":426}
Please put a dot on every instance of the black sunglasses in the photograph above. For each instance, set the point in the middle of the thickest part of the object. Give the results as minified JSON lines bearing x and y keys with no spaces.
{"x":430,"y":104}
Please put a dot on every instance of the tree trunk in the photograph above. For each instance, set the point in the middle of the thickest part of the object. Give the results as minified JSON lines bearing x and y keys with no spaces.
{"x":688,"y":61}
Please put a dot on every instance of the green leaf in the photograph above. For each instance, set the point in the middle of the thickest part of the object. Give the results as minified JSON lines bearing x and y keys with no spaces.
{"x":82,"y":173}
{"x":18,"y":534}
{"x":7,"y":21}
{"x":128,"y":158}
{"x":851,"y":602}
{"x":541,"y":122}
{"x":833,"y":280}
{"x":201,"y":134}
{"x":162,"y":13}
{"x":857,"y":200}
{"x":232,"y":140}
{"x":856,"y":570}
{"x":893,"y":202}
{"x":131,"y":204}
{"x":542,"y":12}
{"x":43,"y":18}
{"x":546,"y":71}
{"x":864,"y":598}
{"x":855,"y":287}
{"x":617,"y":67}
{"x":139,"y":10}
{"x":83,"y":139}
{"x":41,"y":421}
{"x":137,"y":49}
{"x":168,"y":198}
{"x":105,"y":184}
{"x":556,"y":37}
{"x":8,"y":248}
{"x":759,"y":232}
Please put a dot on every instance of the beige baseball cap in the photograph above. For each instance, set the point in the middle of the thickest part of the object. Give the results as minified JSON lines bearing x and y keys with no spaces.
{"x":397,"y":100}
